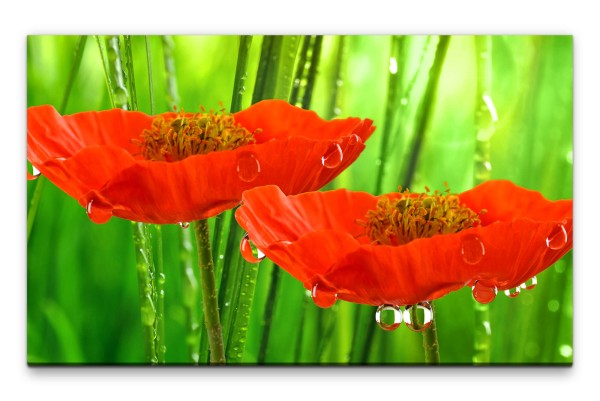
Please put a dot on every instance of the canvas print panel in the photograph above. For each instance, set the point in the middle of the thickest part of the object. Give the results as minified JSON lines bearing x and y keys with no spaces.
{"x":299,"y":200}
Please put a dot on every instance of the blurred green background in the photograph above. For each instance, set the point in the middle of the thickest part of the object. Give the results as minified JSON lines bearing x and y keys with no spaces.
{"x":82,"y":293}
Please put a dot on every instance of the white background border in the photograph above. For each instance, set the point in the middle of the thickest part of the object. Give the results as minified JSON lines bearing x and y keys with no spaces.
{"x":20,"y":19}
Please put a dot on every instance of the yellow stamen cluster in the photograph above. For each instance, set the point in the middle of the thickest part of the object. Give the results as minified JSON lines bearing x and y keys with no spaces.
{"x":173,"y":139}
{"x":399,"y":221}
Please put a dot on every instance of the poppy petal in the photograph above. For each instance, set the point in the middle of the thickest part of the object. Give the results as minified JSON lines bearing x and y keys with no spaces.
{"x":525,"y":235}
{"x":91,"y":156}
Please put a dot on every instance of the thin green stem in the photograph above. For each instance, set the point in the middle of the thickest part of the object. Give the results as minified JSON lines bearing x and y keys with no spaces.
{"x":312,"y":72}
{"x":147,"y":288}
{"x":425,"y":116}
{"x":161,"y":347}
{"x":239,"y":85}
{"x":391,"y":107}
{"x":74,"y":69}
{"x":485,"y":126}
{"x":209,"y":293}
{"x":150,"y":81}
{"x":296,"y":85}
{"x":116,"y":78}
{"x":129,"y":74}
{"x":430,"y":341}
{"x":268,"y":315}
{"x":337,"y":79}
{"x":120,"y":98}
{"x":35,"y":202}
{"x":106,"y":69}
{"x":171,"y":78}
{"x":190,"y":296}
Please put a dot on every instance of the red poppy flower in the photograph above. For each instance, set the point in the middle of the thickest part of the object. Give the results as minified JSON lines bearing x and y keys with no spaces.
{"x":94,"y":158}
{"x":316,"y":238}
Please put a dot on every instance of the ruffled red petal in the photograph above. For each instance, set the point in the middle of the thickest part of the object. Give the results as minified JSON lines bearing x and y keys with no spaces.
{"x":315,"y":237}
{"x":91,"y":157}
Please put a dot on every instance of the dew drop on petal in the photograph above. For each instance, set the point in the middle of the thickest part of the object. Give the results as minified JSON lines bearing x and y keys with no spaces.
{"x":333,"y":156}
{"x":513,"y":292}
{"x":472,"y":249}
{"x":321,"y":298}
{"x":388,"y":317}
{"x":530,"y":284}
{"x":248,"y":166}
{"x":250,"y":253}
{"x":35,"y":173}
{"x":557,"y":238}
{"x":482,"y":293}
{"x":184,"y":225}
{"x":354,"y":140}
{"x":424,"y":314}
{"x":98,"y":212}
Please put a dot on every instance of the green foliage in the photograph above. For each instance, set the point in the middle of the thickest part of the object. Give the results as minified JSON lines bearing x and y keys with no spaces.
{"x":82,"y":293}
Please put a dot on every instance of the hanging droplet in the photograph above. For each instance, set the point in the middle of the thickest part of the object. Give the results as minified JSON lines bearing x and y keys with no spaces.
{"x":35,"y":173}
{"x":184,"y":225}
{"x":513,"y":292}
{"x":248,"y":166}
{"x":388,"y":317}
{"x":393,"y":65}
{"x":98,"y":212}
{"x":354,"y":140}
{"x":472,"y":249}
{"x":250,"y":253}
{"x":333,"y":156}
{"x":557,"y":238}
{"x":530,"y":284}
{"x":321,"y":298}
{"x":569,"y":157}
{"x":482,"y":293}
{"x":424,"y":316}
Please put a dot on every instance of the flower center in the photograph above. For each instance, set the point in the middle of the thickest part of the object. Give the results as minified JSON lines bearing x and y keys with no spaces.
{"x":174,"y":139}
{"x":411,"y":216}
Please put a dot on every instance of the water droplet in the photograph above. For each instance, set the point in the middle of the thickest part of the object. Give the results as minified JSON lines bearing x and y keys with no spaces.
{"x":569,"y":157}
{"x":553,"y":305}
{"x":248,"y":166}
{"x":424,"y":314}
{"x":483,"y":169}
{"x":184,"y":225}
{"x":513,"y":292}
{"x":322,"y":298}
{"x":354,"y":140}
{"x":337,"y":111}
{"x":98,"y":212}
{"x":557,"y":238}
{"x":491,"y":107}
{"x":472,"y":249}
{"x":221,"y":257}
{"x":378,"y":162}
{"x":393,"y":65}
{"x":35,"y":173}
{"x":250,"y":253}
{"x":530,"y":284}
{"x":161,"y":278}
{"x":566,"y":351}
{"x":482,"y":293}
{"x":339,"y":83}
{"x":404,"y":101}
{"x":333,"y":156}
{"x":388,"y":317}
